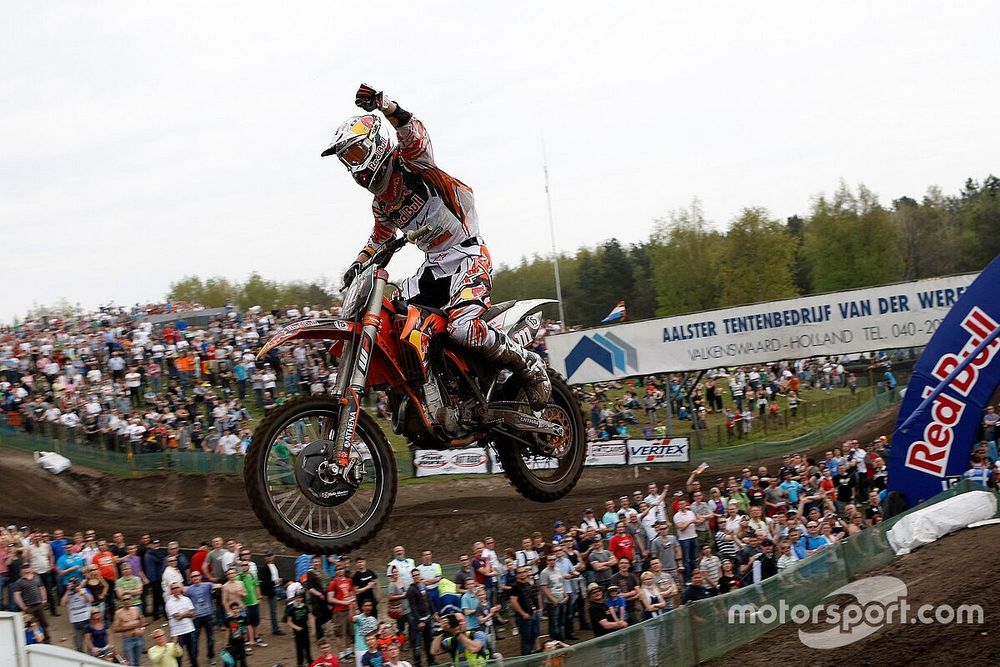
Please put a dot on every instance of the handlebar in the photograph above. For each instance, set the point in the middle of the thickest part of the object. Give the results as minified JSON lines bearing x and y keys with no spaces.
{"x":384,"y":254}
{"x":415,"y":235}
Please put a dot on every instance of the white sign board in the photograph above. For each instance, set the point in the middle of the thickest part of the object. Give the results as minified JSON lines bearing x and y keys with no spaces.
{"x":608,"y":453}
{"x":668,"y":450}
{"x":450,"y":462}
{"x":534,"y":463}
{"x":603,"y":453}
{"x":877,"y":318}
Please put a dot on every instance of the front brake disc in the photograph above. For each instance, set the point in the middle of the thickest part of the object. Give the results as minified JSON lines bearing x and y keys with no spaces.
{"x":321,"y":482}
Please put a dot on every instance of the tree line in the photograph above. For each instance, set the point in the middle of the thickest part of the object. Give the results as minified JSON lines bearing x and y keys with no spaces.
{"x":217,"y":291}
{"x":848,"y":240}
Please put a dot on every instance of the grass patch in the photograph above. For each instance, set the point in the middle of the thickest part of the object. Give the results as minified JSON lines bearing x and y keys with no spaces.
{"x":816,"y":408}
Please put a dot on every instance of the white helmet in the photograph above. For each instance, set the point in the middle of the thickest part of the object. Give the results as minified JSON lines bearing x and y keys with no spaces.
{"x":364,"y":149}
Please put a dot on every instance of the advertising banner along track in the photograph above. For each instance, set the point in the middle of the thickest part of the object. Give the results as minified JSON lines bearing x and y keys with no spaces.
{"x":603,"y":453}
{"x":428,"y":462}
{"x":877,"y":318}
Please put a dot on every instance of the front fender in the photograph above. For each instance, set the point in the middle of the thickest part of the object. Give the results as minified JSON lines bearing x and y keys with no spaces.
{"x":323,"y":329}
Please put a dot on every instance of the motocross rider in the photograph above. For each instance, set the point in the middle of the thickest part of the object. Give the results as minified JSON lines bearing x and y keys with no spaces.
{"x":412,"y":191}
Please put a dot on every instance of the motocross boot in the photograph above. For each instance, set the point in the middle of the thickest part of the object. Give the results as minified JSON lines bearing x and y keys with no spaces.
{"x":526,"y":365}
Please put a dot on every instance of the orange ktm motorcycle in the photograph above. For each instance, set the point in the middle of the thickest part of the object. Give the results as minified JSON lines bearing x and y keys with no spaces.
{"x":320,"y":473}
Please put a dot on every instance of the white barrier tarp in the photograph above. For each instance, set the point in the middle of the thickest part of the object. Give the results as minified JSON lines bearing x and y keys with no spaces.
{"x":54,"y":463}
{"x":450,"y":462}
{"x":603,"y":453}
{"x":932,"y":523}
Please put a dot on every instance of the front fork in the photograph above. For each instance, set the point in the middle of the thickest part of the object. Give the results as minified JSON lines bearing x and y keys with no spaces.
{"x":351,"y":381}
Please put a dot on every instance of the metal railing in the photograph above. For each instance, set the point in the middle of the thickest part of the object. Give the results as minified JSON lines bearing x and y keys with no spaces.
{"x":117,"y":454}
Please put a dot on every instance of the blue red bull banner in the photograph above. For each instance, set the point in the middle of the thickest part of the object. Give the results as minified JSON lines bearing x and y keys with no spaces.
{"x":951,"y":385}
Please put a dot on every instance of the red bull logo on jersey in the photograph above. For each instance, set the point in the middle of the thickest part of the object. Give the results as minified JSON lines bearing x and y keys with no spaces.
{"x":406,"y":213}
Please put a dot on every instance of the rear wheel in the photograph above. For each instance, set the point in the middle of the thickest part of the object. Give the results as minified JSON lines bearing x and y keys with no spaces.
{"x":294,"y":494}
{"x":545,"y":468}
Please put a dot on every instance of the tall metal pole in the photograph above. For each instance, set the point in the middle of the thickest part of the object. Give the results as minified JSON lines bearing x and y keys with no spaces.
{"x":552,"y":233}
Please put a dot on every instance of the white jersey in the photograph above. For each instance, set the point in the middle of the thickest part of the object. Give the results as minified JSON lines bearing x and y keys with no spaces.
{"x":419,"y":194}
{"x":432,"y":571}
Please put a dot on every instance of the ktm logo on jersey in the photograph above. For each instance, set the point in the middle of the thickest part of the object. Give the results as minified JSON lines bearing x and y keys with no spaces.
{"x":440,"y":238}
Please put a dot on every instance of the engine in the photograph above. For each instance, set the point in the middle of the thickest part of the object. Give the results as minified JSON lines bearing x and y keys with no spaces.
{"x":451,"y":416}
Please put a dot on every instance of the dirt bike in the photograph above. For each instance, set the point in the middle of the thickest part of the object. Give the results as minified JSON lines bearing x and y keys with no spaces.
{"x":320,"y":474}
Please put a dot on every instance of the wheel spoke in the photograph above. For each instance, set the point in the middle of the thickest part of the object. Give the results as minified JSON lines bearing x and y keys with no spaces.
{"x":282,"y":497}
{"x":311,"y":432}
{"x":350,"y":504}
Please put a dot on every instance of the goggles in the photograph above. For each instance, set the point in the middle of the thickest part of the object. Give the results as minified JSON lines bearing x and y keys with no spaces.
{"x":356,"y":153}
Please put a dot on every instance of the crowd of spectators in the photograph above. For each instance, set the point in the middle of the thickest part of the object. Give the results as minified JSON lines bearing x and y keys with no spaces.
{"x":631,"y":559}
{"x":116,"y":380}
{"x":119,"y":381}
{"x":742,"y":396}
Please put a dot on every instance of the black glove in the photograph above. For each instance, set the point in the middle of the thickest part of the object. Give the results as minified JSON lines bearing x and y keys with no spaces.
{"x":368,"y":98}
{"x":351,"y":274}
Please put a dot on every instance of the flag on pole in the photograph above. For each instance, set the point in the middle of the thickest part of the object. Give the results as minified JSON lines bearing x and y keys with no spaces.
{"x":618,"y":313}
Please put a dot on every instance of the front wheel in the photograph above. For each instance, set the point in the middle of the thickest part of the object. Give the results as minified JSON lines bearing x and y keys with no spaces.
{"x":294,"y":494}
{"x":545,"y":468}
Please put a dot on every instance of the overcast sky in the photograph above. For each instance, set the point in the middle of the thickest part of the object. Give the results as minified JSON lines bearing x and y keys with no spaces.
{"x":141,"y":142}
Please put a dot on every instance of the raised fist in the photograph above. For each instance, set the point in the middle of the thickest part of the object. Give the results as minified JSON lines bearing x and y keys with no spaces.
{"x":368,"y":98}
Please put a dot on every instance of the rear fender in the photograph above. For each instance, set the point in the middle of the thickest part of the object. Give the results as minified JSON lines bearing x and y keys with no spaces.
{"x":524,"y":332}
{"x":510,"y":318}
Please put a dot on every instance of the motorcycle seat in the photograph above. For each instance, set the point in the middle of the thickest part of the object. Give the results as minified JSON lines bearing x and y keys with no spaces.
{"x":401,"y":305}
{"x":497,"y":308}
{"x":493,"y":311}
